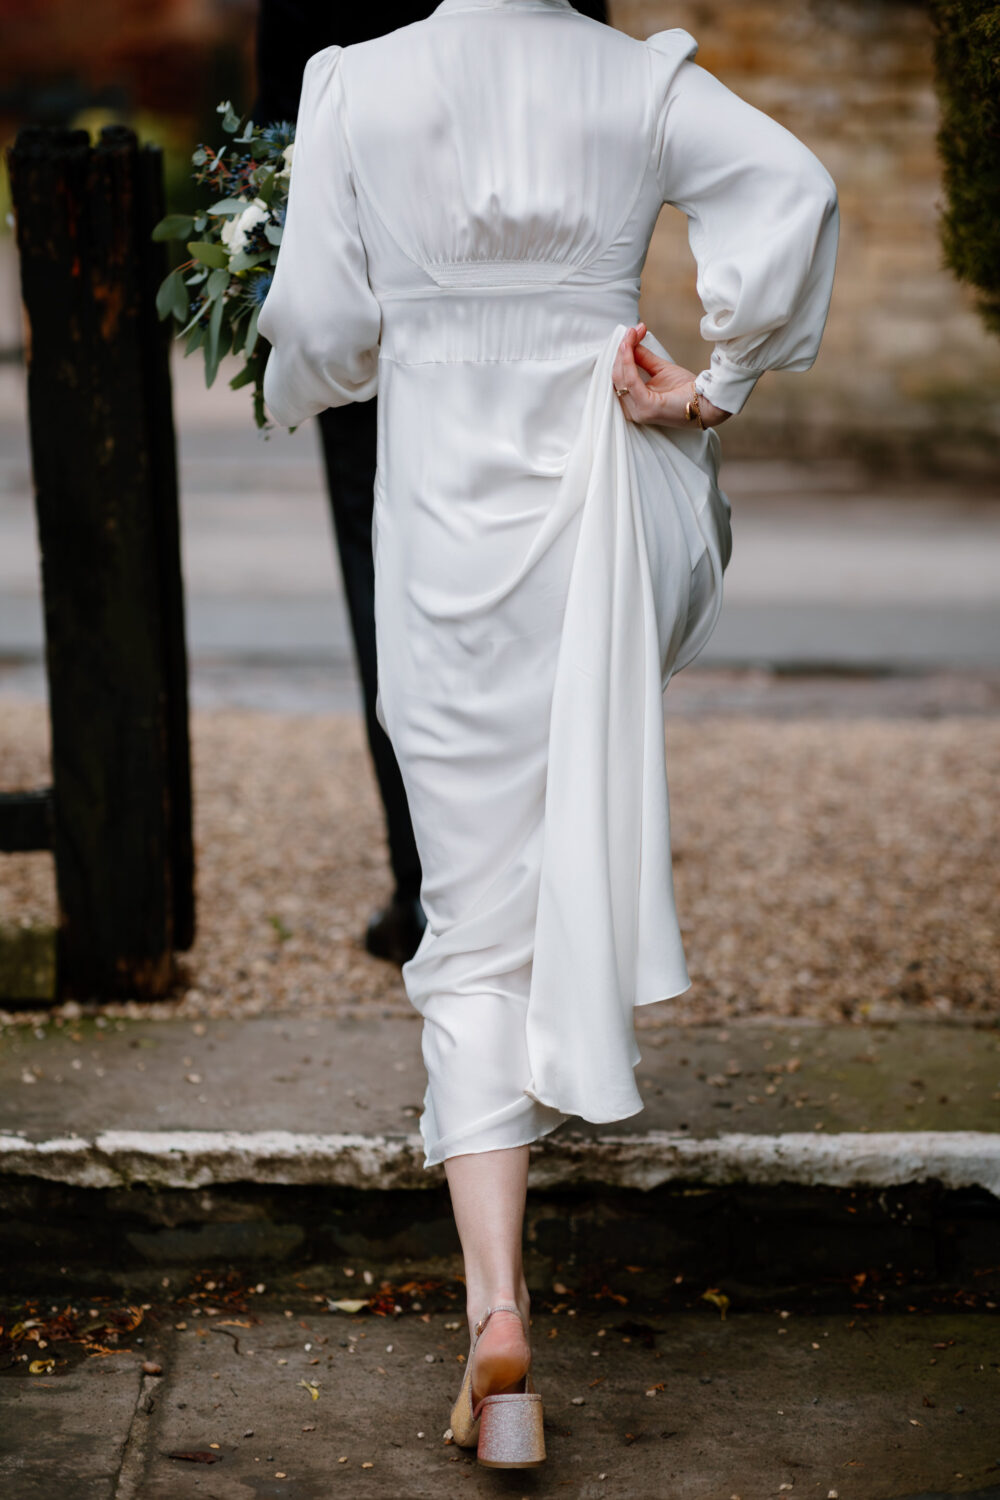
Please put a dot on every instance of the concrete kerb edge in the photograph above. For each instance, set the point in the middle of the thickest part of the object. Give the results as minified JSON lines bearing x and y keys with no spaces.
{"x":197,"y":1159}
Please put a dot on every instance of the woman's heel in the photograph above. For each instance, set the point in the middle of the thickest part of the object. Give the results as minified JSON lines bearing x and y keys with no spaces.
{"x":511,"y":1432}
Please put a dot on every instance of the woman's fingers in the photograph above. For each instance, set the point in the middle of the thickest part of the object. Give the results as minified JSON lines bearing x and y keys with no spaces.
{"x":650,"y":362}
{"x":626,"y":377}
{"x":623,"y":371}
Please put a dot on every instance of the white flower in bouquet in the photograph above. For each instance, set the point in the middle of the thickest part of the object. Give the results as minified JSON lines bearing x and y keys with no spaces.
{"x":235,"y":232}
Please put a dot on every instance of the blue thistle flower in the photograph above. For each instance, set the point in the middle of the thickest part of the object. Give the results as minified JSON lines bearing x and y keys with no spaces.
{"x":279,"y":135}
{"x":257,"y":287}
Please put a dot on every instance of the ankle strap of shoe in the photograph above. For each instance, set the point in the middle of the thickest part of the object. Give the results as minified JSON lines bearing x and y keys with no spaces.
{"x":497,"y":1307}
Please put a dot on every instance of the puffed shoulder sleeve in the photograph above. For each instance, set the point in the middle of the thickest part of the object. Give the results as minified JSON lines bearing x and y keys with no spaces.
{"x":762,"y":224}
{"x":320,"y":315}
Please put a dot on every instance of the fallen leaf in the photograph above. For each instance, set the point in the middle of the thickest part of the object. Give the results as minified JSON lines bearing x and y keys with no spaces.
{"x":41,"y":1366}
{"x":311,"y":1388}
{"x":347,"y":1304}
{"x":718,"y":1299}
{"x":200,"y":1456}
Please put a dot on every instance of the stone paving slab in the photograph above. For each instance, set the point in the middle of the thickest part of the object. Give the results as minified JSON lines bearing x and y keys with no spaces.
{"x":336,"y":1099}
{"x":63,"y":1434}
{"x":672,"y":1406}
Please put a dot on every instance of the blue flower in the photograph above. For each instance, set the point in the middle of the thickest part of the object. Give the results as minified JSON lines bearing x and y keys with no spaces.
{"x":278,"y":135}
{"x":257,"y":288}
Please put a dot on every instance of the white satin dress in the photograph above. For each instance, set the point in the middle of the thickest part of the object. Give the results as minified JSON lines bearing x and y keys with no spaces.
{"x":471,"y":203}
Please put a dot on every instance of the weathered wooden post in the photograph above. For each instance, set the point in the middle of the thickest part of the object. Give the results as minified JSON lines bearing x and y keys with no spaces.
{"x":103,"y":456}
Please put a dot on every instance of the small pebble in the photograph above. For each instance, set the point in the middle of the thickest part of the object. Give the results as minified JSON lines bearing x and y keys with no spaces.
{"x":150,"y":1367}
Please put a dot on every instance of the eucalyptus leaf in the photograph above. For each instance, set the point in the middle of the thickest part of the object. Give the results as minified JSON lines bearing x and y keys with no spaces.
{"x":230,"y":119}
{"x":174,"y":227}
{"x":272,"y":233}
{"x":251,"y":342}
{"x":199,"y":157}
{"x":172,"y":297}
{"x":197,"y":277}
{"x":209,"y":253}
{"x":195,"y":336}
{"x":242,"y":261}
{"x":228,"y":206}
{"x":217,"y":283}
{"x":245,"y":377}
{"x":213,"y":352}
{"x":165,"y":296}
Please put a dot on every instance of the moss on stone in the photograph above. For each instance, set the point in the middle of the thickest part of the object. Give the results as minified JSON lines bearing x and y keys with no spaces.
{"x":967,"y":61}
{"x":27,"y":963}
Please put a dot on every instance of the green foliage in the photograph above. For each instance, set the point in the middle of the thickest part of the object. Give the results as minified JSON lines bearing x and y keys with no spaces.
{"x":967,"y":59}
{"x":217,"y":294}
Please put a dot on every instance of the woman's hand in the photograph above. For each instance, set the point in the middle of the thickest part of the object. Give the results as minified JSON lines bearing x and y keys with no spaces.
{"x":658,"y":392}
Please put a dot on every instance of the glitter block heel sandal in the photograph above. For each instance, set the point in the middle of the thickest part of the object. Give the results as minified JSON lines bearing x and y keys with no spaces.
{"x":506,"y":1429}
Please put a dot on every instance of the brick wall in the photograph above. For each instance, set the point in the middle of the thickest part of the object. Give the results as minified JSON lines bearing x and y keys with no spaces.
{"x":907,"y":374}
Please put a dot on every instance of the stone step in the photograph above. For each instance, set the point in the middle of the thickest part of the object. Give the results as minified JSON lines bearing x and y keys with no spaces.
{"x":334,"y":1100}
{"x":769,"y":1157}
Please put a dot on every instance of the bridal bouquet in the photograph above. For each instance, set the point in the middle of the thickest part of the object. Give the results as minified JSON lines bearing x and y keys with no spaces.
{"x":217,"y":294}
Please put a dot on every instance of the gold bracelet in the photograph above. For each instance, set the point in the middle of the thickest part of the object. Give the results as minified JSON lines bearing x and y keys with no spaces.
{"x":693,"y":409}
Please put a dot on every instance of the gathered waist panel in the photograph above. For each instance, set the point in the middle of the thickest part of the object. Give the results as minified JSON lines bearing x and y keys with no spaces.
{"x":444,"y":325}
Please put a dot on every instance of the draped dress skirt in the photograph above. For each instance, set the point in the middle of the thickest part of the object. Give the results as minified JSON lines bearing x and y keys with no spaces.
{"x":533,"y":597}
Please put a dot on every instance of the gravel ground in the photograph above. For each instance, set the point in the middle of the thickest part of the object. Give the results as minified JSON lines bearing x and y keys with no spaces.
{"x":825,"y":869}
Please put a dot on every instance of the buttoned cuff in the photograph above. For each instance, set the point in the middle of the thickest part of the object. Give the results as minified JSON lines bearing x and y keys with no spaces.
{"x":725,"y":384}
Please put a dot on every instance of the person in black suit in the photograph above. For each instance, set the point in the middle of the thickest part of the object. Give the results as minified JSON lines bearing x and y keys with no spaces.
{"x":288,"y":33}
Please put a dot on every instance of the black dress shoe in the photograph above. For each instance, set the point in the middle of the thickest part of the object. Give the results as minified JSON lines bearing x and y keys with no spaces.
{"x":394,"y":931}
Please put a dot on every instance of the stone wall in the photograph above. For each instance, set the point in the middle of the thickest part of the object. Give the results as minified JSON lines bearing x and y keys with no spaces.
{"x":907,"y":374}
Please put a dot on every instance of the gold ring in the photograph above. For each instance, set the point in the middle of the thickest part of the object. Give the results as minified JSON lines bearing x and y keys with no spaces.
{"x":621,"y":390}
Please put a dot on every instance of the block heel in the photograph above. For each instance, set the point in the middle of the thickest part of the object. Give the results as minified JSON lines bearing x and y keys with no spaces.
{"x":511,"y":1432}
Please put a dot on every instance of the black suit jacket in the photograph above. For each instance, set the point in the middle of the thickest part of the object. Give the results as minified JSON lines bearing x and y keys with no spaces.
{"x":290,"y":31}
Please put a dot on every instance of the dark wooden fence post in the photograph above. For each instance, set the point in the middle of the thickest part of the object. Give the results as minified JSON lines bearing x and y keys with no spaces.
{"x":102,"y":446}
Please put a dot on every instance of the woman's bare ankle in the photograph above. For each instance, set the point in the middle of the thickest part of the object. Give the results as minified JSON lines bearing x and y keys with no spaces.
{"x":478,"y":1302}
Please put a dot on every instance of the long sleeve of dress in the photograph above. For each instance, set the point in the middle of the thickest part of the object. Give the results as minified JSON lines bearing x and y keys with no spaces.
{"x":763,"y":226}
{"x":320,"y":316}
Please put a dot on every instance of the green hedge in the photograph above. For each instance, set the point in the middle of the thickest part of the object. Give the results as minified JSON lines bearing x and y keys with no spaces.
{"x":967,"y":60}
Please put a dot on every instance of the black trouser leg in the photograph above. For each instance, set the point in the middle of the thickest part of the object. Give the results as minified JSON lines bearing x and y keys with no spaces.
{"x":348,"y":441}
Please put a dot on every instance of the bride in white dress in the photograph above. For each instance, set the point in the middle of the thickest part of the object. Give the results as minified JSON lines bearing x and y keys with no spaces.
{"x":471,"y":203}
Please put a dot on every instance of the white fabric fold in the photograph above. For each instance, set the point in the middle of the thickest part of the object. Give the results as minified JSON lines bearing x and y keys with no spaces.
{"x":606,"y":933}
